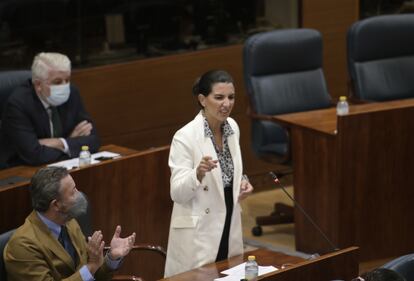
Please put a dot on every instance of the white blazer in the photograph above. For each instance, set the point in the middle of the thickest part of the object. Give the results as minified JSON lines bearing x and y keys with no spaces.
{"x":199,"y":211}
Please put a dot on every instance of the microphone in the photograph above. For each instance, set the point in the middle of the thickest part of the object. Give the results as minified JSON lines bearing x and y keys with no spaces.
{"x":276,"y":180}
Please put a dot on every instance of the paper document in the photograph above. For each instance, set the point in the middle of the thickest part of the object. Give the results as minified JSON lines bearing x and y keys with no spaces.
{"x":237,"y":272}
{"x":74,"y":163}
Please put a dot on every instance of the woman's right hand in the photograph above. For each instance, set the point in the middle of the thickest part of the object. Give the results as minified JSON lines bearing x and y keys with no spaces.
{"x":206,"y":165}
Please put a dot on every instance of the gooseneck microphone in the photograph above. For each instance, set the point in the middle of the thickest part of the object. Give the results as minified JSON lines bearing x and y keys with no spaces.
{"x":276,"y":180}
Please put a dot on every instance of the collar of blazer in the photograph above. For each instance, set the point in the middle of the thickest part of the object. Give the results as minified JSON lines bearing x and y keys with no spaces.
{"x":47,"y":240}
{"x":207,"y":148}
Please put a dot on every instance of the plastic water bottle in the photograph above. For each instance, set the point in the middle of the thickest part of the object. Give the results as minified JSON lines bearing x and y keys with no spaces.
{"x":251,"y":269}
{"x":84,"y":156}
{"x":342,"y":108}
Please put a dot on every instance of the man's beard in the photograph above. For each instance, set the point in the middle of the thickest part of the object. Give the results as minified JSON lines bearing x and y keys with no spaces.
{"x":78,"y":208}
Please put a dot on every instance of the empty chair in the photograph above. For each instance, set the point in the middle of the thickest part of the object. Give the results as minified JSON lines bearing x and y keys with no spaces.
{"x":283,"y":74}
{"x":381,"y":57}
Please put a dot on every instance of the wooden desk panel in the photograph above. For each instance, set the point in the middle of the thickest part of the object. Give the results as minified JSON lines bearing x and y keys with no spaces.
{"x":339,"y":265}
{"x":356,"y":182}
{"x":15,"y":198}
{"x":132,"y":191}
{"x":375,"y":181}
{"x":313,"y":178}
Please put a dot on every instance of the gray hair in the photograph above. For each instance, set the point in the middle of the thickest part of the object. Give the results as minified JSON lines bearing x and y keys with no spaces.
{"x":44,"y":62}
{"x":45,"y":187}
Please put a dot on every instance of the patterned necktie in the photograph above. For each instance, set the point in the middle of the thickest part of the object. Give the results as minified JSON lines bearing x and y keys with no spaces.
{"x":64,"y":239}
{"x":57,"y":125}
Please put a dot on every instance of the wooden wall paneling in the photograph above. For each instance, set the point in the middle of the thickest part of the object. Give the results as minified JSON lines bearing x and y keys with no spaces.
{"x":332,"y":19}
{"x":151,"y":93}
{"x":16,"y":205}
{"x":15,"y":198}
{"x":141,"y":104}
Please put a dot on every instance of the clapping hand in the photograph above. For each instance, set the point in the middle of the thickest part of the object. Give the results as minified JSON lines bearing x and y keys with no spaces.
{"x":95,"y":248}
{"x":120,"y":247}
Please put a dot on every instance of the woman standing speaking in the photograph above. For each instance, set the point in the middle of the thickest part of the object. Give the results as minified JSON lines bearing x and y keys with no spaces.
{"x":206,"y":180}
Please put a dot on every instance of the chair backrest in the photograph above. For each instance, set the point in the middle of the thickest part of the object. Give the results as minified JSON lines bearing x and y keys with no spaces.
{"x":283,"y":74}
{"x":404,"y":265}
{"x":381,"y":57}
{"x":4,"y":238}
{"x":9,"y":80}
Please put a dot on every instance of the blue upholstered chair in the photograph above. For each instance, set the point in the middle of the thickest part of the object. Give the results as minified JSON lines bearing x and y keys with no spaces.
{"x":9,"y":80}
{"x":283,"y":74}
{"x":4,"y":238}
{"x":381,"y":57}
{"x":404,"y":265}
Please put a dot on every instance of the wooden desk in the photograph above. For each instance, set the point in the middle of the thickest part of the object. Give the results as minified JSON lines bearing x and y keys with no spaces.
{"x":132,"y":191}
{"x":16,"y":197}
{"x":338,"y":265}
{"x":353,"y":175}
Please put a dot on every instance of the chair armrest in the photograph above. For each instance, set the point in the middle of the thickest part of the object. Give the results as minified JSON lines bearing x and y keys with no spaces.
{"x":149,"y":247}
{"x":285,"y":159}
{"x":126,"y":277}
{"x":265,"y":117}
{"x":139,"y":247}
{"x":262,"y":117}
{"x":145,"y":247}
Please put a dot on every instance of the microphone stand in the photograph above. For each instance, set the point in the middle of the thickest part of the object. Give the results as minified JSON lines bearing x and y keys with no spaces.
{"x":334,"y":248}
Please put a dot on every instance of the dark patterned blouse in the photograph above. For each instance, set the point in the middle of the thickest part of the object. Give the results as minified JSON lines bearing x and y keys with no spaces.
{"x":224,"y":156}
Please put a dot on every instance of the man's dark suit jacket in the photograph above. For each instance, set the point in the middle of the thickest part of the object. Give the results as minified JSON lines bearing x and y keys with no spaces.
{"x":25,"y":121}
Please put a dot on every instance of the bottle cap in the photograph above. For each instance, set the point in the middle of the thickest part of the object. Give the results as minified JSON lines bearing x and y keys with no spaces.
{"x":342,"y":98}
{"x":251,"y":258}
{"x":85,"y":147}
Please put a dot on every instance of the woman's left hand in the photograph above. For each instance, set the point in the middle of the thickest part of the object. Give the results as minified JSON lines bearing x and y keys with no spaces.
{"x":245,"y":189}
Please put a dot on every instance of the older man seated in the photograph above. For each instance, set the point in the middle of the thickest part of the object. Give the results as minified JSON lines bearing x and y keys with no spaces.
{"x":44,"y":120}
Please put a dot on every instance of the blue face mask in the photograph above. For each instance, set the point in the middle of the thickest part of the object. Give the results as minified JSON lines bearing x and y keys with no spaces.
{"x":59,"y":94}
